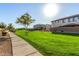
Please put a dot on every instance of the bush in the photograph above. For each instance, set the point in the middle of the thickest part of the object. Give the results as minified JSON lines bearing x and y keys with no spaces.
{"x":11,"y":28}
{"x":2,"y":25}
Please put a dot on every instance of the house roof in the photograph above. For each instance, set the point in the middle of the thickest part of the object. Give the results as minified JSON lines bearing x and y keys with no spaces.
{"x":66,"y":17}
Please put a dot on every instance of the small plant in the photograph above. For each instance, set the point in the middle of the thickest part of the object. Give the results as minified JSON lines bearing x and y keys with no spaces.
{"x":4,"y":33}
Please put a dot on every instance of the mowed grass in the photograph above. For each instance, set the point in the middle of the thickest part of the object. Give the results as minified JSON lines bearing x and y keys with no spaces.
{"x":52,"y":44}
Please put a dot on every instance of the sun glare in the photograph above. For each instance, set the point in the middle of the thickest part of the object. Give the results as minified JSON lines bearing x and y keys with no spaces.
{"x":51,"y":10}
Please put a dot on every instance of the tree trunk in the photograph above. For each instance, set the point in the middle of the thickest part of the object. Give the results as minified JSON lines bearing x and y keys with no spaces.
{"x":26,"y":27}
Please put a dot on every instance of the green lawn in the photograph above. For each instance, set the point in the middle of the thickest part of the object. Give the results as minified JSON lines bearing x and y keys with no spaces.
{"x":52,"y":43}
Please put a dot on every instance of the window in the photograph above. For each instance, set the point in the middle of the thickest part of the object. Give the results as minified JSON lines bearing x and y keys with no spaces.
{"x":52,"y":22}
{"x":58,"y":21}
{"x":63,"y":21}
{"x":73,"y":19}
{"x":76,"y":18}
{"x":69,"y":19}
{"x":66,"y":20}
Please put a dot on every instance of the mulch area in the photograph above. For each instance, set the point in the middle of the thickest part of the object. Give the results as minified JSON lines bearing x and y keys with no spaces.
{"x":5,"y":46}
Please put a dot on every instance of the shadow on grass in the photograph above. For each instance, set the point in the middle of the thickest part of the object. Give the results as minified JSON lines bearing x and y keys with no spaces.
{"x":69,"y":34}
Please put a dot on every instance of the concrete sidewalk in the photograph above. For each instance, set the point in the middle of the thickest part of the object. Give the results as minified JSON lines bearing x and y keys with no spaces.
{"x":22,"y":48}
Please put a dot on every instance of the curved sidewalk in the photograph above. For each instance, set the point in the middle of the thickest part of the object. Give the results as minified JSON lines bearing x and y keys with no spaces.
{"x":22,"y":48}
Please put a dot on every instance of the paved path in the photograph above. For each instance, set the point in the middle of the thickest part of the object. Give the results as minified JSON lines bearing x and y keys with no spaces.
{"x":5,"y":46}
{"x":22,"y":48}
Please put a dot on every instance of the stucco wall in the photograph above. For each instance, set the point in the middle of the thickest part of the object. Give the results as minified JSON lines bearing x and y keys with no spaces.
{"x":66,"y":29}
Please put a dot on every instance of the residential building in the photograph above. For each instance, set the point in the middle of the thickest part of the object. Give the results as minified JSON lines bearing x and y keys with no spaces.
{"x":44,"y":27}
{"x":66,"y":24}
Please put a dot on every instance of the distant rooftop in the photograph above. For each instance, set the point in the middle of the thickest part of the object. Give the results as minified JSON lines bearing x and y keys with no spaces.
{"x":66,"y":17}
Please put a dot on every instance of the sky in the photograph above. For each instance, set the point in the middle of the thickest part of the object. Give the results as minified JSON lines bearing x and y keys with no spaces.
{"x":10,"y":12}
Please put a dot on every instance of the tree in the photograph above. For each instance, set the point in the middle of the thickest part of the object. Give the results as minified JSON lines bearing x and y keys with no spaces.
{"x":2,"y":25}
{"x":25,"y":20}
{"x":10,"y":27}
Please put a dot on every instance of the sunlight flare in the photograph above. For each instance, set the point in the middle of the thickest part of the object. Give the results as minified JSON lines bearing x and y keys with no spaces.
{"x":51,"y":10}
